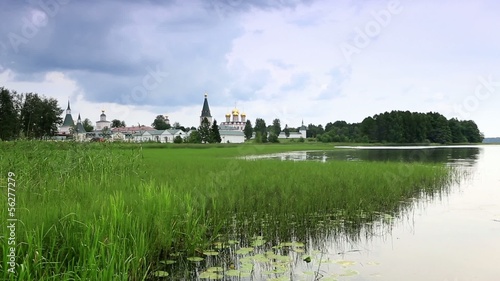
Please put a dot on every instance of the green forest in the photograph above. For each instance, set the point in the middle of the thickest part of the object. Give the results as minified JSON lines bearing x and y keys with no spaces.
{"x":400,"y":127}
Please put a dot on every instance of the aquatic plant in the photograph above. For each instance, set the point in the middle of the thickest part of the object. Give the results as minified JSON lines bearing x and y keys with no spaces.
{"x":130,"y":212}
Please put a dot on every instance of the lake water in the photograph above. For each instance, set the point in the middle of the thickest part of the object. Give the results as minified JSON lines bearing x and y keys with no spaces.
{"x":451,"y":237}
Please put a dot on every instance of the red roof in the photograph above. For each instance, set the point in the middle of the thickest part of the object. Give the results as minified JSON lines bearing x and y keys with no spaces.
{"x":132,"y":129}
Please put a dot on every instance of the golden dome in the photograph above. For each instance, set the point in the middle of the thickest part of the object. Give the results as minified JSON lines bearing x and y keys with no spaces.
{"x":236,"y":112}
{"x":243,"y":114}
{"x":228,"y":115}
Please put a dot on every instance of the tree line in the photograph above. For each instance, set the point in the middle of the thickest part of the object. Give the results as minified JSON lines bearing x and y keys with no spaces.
{"x":400,"y":127}
{"x":28,"y":115}
{"x":33,"y":116}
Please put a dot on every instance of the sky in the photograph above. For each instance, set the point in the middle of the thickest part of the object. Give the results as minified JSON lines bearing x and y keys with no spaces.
{"x":316,"y":61}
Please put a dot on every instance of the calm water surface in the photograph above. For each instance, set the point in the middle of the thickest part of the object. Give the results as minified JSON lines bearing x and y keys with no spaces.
{"x":452,"y":237}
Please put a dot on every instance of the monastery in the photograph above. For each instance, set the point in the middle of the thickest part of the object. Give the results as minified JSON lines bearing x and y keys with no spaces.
{"x":231,"y":130}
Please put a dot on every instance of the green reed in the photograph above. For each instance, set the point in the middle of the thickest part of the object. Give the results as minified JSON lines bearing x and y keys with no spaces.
{"x":114,"y":211}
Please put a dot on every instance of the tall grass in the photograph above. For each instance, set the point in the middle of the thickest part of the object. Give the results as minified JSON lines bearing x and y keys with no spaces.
{"x":112,"y":212}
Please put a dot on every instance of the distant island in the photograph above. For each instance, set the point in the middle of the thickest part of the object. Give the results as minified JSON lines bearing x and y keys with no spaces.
{"x":400,"y":127}
{"x":491,"y":140}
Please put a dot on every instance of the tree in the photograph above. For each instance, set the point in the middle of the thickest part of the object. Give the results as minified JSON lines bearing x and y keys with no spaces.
{"x":160,"y":123}
{"x":214,"y":133}
{"x":286,"y":131}
{"x":115,"y":123}
{"x":313,"y":130}
{"x":178,"y":126}
{"x":9,"y":115}
{"x":456,"y":131}
{"x":471,"y":131}
{"x":248,"y":130}
{"x":273,"y":138}
{"x":194,"y":137}
{"x":204,"y":130}
{"x":276,"y":127}
{"x":87,"y":125}
{"x":40,"y":116}
{"x":260,"y":130}
{"x":178,"y":139}
{"x":106,"y":132}
{"x":440,"y":131}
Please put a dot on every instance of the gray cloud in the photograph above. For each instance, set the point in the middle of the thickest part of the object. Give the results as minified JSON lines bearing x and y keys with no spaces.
{"x":108,"y":46}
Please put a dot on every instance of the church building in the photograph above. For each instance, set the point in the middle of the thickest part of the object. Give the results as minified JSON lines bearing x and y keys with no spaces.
{"x":68,"y":123}
{"x":102,"y":123}
{"x":237,"y":122}
{"x":69,"y":128}
{"x":231,"y":132}
{"x":205,"y":111}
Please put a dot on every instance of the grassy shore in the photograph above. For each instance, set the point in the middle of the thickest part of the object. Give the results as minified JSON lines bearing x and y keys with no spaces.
{"x":114,"y":211}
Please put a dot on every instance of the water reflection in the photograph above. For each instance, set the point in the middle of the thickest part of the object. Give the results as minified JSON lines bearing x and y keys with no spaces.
{"x":463,"y":155}
{"x":367,"y":246}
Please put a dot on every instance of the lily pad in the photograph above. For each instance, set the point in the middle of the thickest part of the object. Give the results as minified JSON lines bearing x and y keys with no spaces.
{"x":210,"y":275}
{"x":246,"y":267}
{"x":168,"y":262}
{"x":215,"y":269}
{"x":260,"y":258}
{"x":275,"y":271}
{"x":244,"y":251}
{"x":233,"y":273}
{"x":160,"y":274}
{"x":211,"y":253}
{"x":219,"y":245}
{"x":349,"y":272}
{"x":258,"y":242}
{"x":345,"y":263}
{"x":195,"y":259}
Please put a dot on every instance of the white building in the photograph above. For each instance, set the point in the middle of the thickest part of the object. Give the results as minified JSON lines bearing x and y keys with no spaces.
{"x":302,"y":133}
{"x":232,"y":136}
{"x":102,"y":123}
{"x":234,"y":121}
{"x":68,"y":123}
{"x":230,"y":131}
{"x":162,"y":136}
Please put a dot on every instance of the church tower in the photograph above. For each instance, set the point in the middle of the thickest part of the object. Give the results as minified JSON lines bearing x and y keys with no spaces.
{"x":79,"y":126}
{"x":205,"y":111}
{"x":303,"y":129}
{"x":102,"y":123}
{"x":68,"y":122}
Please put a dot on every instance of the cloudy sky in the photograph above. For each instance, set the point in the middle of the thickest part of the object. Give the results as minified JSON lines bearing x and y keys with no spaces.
{"x":317,"y":61}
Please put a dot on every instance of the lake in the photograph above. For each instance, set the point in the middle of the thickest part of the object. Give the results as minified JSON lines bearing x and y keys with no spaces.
{"x":453,"y":236}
